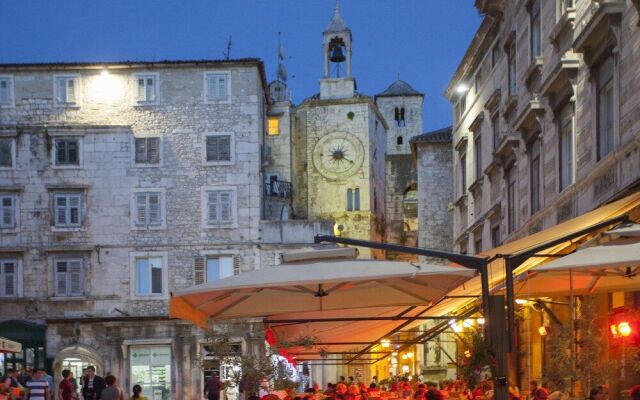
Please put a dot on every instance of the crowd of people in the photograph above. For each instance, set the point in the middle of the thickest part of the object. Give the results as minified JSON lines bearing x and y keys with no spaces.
{"x":406,"y":388}
{"x":37,"y":384}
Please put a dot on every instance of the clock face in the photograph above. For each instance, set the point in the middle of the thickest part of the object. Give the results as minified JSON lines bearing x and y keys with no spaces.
{"x":338,"y":155}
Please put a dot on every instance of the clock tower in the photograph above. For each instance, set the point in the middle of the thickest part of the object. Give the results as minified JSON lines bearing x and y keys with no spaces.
{"x":339,"y":146}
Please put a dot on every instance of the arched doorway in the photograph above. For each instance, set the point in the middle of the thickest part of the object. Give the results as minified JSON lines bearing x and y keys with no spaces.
{"x":32,"y":336}
{"x":76,"y":358}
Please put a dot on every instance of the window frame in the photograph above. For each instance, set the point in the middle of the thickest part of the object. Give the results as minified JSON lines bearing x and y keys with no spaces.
{"x":68,"y":288}
{"x":216,"y":254}
{"x":599,"y":88}
{"x":512,"y":70}
{"x":227,"y":99}
{"x":562,"y":185}
{"x":535,"y":192}
{"x":206,"y":224}
{"x":15,"y":211}
{"x":232,"y":149}
{"x":17,"y":277}
{"x":535,"y":21}
{"x":276,"y":118}
{"x":156,"y":88}
{"x":162,"y":209}
{"x":76,"y":90}
{"x":81,"y":209}
{"x":512,"y":199}
{"x":12,"y":150}
{"x":134,"y":152}
{"x":136,"y":255}
{"x":54,"y":152}
{"x":495,"y":129}
{"x":477,"y":155}
{"x":463,"y":173}
{"x":11,"y":91}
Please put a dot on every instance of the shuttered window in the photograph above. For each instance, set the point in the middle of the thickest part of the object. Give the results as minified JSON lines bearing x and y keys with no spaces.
{"x":149,"y":276}
{"x":212,"y":268}
{"x":7,"y":211}
{"x":219,"y":207}
{"x":147,"y":150}
{"x":218,"y":148}
{"x":69,"y":277}
{"x":66,"y":87}
{"x":68,"y":210}
{"x":217,"y":86}
{"x":6,"y":84}
{"x":7,"y":149}
{"x":67,"y":151}
{"x":147,"y":87}
{"x":148,"y":209}
{"x":8,"y":278}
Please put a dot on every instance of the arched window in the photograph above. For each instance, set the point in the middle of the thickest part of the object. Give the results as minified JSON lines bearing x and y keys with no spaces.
{"x":399,"y":140}
{"x":399,"y":116}
{"x":349,"y":200}
{"x":356,"y":200}
{"x":410,"y":203}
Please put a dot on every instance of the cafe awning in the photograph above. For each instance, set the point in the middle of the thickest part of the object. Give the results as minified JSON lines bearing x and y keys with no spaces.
{"x":9,"y":346}
{"x":553,"y":234}
{"x":325,"y":286}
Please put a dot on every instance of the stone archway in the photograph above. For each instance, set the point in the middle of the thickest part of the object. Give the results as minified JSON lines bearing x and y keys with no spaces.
{"x":76,"y":358}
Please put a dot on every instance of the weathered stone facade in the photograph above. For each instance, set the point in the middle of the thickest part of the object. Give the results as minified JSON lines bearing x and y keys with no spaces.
{"x":522,"y":107}
{"x":102,"y":311}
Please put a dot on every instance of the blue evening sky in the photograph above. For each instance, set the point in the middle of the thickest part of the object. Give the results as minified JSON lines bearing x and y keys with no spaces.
{"x":421,"y":40}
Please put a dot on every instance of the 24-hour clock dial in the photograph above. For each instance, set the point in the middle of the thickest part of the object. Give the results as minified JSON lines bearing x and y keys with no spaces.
{"x":338,"y":155}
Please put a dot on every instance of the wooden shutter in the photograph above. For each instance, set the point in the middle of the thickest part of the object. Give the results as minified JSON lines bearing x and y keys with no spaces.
{"x":61,"y":152}
{"x":154,"y":209}
{"x":141,"y":90}
{"x":212,"y":207}
{"x":198,"y":270}
{"x":61,"y":210}
{"x":7,"y":211}
{"x":224,"y":148}
{"x":9,"y":273}
{"x":61,"y":278}
{"x":76,"y":285}
{"x":211,"y":87}
{"x":212,"y":148}
{"x":153,"y":150}
{"x":226,"y":214}
{"x":71,"y":91}
{"x":61,"y":90}
{"x":141,"y":208}
{"x":141,"y":150}
{"x":75,"y":205}
{"x":150,"y":94}
{"x":236,"y":265}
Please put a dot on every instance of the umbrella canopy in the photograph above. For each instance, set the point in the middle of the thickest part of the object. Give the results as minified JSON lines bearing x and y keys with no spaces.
{"x":317,"y":286}
{"x":609,"y":267}
{"x":9,"y":346}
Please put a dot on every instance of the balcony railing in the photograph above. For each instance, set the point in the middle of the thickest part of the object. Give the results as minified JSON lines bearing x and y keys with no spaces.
{"x":278,"y":189}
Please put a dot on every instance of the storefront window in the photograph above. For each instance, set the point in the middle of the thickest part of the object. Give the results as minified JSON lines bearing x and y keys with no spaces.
{"x":151,"y":369}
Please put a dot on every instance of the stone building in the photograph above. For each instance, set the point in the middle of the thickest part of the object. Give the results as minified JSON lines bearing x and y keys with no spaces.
{"x":401,"y":105}
{"x":120,"y":183}
{"x":546,"y":128}
{"x":546,"y":121}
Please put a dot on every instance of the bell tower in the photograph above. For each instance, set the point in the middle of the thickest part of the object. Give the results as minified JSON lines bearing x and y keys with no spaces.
{"x":337,"y":82}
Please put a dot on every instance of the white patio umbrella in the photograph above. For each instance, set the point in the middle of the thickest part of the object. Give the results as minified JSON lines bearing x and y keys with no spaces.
{"x":609,"y":267}
{"x":317,"y":287}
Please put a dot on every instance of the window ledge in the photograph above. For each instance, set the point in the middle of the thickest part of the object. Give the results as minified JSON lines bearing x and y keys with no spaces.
{"x":461,"y":145}
{"x":8,"y":231}
{"x":218,"y":163}
{"x":493,"y":166}
{"x":68,"y":298}
{"x":533,"y":71}
{"x":66,"y":166}
{"x":476,"y":185}
{"x":564,"y":24}
{"x":146,"y":165}
{"x":510,"y":103}
{"x":220,"y":226}
{"x":461,"y":201}
{"x":493,"y":100}
{"x":68,"y":229}
{"x":148,"y":228}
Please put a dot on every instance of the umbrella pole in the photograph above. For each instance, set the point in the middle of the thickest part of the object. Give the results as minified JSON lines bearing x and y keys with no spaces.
{"x":572,"y":318}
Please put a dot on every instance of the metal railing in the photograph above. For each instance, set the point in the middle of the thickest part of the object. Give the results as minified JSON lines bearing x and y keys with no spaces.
{"x":279,"y":189}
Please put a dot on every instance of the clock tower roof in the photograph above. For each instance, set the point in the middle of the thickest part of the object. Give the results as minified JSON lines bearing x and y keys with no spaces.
{"x":399,"y":88}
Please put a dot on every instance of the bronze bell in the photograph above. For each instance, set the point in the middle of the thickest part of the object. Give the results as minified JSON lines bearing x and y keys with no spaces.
{"x":336,"y":54}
